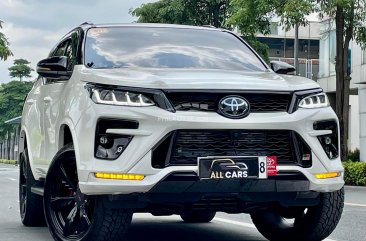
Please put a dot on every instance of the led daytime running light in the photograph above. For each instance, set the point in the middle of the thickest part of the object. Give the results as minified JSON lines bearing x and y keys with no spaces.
{"x":119,"y":176}
{"x":315,"y":101}
{"x":120,"y":98}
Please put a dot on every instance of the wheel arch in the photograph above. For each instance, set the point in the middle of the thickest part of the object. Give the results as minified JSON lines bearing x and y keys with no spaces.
{"x":67,"y":135}
{"x":22,"y":141}
{"x":24,"y":144}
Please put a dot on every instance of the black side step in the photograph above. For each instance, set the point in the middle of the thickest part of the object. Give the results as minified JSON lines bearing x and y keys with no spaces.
{"x":38,"y":188}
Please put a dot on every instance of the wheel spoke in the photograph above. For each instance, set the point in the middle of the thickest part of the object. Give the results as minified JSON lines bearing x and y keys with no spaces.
{"x":24,"y":189}
{"x":71,"y":221}
{"x":65,"y":178}
{"x":84,"y":220}
{"x":24,"y":205}
{"x":59,"y":203}
{"x":24,"y":169}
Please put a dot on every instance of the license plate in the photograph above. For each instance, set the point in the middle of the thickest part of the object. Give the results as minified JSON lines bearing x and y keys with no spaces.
{"x":257,"y":167}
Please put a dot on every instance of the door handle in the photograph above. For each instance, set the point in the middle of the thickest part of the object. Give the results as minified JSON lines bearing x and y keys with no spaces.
{"x":30,"y":102}
{"x":47,"y":99}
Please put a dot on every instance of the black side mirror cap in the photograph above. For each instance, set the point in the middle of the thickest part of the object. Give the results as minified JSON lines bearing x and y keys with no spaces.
{"x":282,"y":67}
{"x":54,"y":67}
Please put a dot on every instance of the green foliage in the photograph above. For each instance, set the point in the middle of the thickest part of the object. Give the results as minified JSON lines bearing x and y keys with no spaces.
{"x":192,"y":12}
{"x":354,"y":156}
{"x":12,"y":97}
{"x":4,"y":46}
{"x":255,"y":16}
{"x":260,"y":48}
{"x":20,"y":69}
{"x":355,"y":173}
{"x":164,"y":11}
{"x":353,"y":14}
{"x":4,"y":161}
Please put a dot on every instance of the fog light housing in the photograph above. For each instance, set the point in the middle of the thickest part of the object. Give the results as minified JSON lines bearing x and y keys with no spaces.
{"x":330,"y":142}
{"x":111,"y":146}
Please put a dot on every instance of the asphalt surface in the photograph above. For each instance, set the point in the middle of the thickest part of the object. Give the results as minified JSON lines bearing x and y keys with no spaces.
{"x":352,"y":226}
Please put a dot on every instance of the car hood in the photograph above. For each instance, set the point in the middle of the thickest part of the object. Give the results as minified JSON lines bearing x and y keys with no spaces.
{"x":196,"y":79}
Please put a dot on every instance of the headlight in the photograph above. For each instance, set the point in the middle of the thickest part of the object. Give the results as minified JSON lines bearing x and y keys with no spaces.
{"x":119,"y":97}
{"x":314,"y":101}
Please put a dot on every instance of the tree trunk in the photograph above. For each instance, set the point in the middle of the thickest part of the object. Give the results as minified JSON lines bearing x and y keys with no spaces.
{"x":342,"y":77}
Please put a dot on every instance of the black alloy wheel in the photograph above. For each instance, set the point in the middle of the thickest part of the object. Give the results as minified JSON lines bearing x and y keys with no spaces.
{"x":69,"y":211}
{"x":30,"y":204}
{"x":72,"y":215}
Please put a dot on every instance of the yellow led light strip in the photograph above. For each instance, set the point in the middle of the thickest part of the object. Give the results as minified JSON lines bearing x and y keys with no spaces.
{"x":327,"y":175}
{"x":119,"y":176}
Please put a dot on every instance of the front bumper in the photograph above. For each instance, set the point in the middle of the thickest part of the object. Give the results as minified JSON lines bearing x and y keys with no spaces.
{"x":181,"y":191}
{"x":155,"y":123}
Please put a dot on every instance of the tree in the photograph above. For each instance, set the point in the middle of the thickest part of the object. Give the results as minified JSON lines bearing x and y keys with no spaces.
{"x":349,"y":17}
{"x":12,"y":97}
{"x":4,"y":45}
{"x":20,"y":69}
{"x":350,"y":21}
{"x":194,"y":12}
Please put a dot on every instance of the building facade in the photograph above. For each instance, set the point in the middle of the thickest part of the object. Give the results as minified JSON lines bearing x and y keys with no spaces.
{"x":327,"y":80}
{"x":281,"y":46}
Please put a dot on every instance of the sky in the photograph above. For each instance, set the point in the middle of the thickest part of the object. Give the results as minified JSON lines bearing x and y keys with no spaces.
{"x":33,"y":27}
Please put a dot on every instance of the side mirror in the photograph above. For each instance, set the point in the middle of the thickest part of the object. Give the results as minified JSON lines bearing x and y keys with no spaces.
{"x":282,"y":67}
{"x":54,"y":67}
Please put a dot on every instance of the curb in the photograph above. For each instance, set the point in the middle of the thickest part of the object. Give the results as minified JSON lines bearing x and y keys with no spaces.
{"x":355,"y":187}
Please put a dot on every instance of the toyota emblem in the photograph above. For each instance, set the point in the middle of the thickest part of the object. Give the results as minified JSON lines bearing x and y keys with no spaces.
{"x":234,"y":107}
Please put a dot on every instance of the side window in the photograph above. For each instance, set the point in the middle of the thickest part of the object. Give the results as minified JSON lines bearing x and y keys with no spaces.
{"x":71,"y":51}
{"x":67,"y":48}
{"x":70,"y":57}
{"x":60,"y":50}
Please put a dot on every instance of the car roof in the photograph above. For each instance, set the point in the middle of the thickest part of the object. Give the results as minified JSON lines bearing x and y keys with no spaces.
{"x":147,"y":25}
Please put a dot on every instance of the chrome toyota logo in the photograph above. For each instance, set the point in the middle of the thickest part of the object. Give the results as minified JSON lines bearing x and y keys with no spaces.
{"x":234,"y":107}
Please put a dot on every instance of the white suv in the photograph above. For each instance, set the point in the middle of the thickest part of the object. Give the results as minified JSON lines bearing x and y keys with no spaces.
{"x":172,"y":119}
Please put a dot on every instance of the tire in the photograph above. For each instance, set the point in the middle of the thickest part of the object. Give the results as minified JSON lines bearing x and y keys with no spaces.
{"x":310,"y":224}
{"x":30,"y":204}
{"x":70,"y":214}
{"x":198,"y":216}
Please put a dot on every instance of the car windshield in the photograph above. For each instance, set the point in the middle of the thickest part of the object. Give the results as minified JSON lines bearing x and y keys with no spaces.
{"x":144,"y":47}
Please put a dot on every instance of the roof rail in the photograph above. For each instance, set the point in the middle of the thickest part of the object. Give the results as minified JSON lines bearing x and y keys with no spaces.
{"x":86,"y":23}
{"x":208,"y":26}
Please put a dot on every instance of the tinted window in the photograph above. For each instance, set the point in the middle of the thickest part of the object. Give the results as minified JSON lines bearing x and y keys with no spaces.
{"x":120,"y":47}
{"x":68,"y":48}
{"x":60,"y":50}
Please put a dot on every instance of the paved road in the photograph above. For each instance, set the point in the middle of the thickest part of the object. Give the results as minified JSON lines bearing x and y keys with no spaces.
{"x":146,"y":227}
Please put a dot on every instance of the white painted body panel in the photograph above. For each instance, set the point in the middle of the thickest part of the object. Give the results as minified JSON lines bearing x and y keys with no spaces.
{"x":71,"y":105}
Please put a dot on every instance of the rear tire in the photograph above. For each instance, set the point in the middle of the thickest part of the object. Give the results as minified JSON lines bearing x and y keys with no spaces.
{"x":72,"y":215}
{"x":198,"y":216}
{"x":30,"y":204}
{"x":311,"y":224}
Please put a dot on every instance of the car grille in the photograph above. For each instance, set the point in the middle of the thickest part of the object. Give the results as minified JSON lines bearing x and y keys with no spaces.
{"x":183,"y":147}
{"x":259,"y":102}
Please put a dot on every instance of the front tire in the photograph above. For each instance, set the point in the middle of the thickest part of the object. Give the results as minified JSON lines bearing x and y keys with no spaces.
{"x":70,"y":214}
{"x":198,"y":216}
{"x":30,"y":204}
{"x":310,"y":224}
